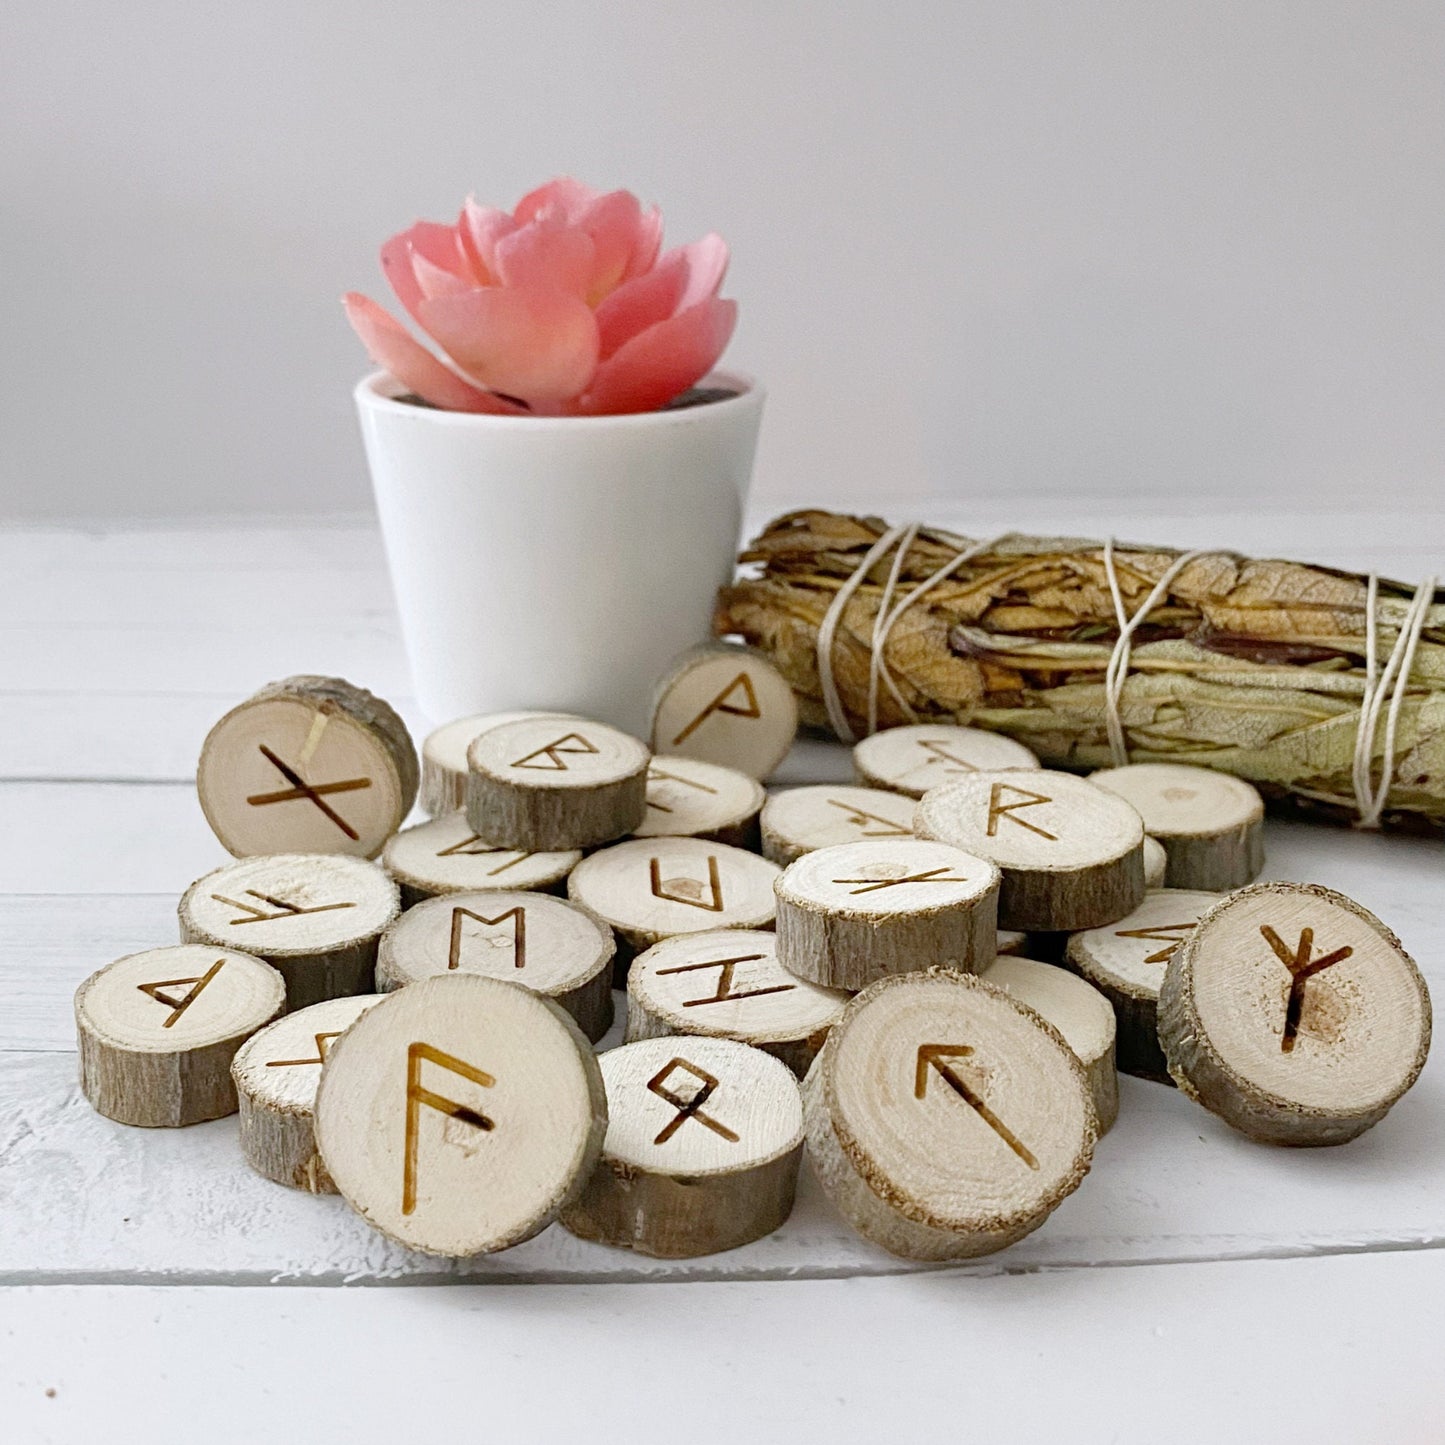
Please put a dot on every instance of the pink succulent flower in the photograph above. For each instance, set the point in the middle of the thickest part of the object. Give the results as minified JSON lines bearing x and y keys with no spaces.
{"x":562,"y":308}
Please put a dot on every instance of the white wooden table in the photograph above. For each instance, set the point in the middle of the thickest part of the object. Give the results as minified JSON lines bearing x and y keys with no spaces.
{"x":1197,"y":1284}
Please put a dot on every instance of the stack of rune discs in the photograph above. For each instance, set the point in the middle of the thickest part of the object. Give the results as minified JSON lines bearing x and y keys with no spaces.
{"x":851,"y":972}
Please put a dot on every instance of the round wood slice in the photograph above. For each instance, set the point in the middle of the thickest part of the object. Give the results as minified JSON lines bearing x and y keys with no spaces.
{"x":728,"y":705}
{"x":532,"y":939}
{"x":546,"y":784}
{"x":686,"y":798}
{"x":1156,"y":863}
{"x":649,"y":889}
{"x":1211,"y":825}
{"x":1010,"y":940}
{"x":1080,"y":1013}
{"x":704,"y":1138}
{"x":446,"y":856}
{"x":157,"y":1032}
{"x":1125,"y":961}
{"x":944,"y":1118}
{"x":1294,"y":1014}
{"x":911,"y":760}
{"x":460,"y":1114}
{"x":307,"y":765}
{"x":860,"y":911}
{"x":276,"y":1073}
{"x":798,"y":820}
{"x":1071,"y":854}
{"x":315,"y":917}
{"x":444,"y":758}
{"x":729,"y":984}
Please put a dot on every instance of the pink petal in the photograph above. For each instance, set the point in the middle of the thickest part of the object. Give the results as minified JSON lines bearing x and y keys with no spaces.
{"x":614,"y":222}
{"x":439,"y":246}
{"x":685,"y":276}
{"x":532,"y":342}
{"x":544,"y":254}
{"x":481,"y":227}
{"x":562,"y":199}
{"x":649,"y":243}
{"x":393,"y":349}
{"x":663,"y":361}
{"x":433,"y":281}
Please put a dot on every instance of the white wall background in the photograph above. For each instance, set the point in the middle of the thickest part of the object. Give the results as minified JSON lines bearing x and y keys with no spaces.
{"x":985,"y":247}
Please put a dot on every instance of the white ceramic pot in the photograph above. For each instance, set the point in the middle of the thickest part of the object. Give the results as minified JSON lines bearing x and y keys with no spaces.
{"x":545,"y":562}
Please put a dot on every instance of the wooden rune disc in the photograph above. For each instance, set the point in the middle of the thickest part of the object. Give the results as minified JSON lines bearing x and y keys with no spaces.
{"x":444,"y":758}
{"x":531,"y":939}
{"x":1010,"y":940}
{"x":1211,"y":825}
{"x":1156,"y":862}
{"x":725,"y":704}
{"x":157,"y":1031}
{"x":1294,"y":1014}
{"x":460,"y":1114}
{"x":687,"y":798}
{"x":446,"y":856}
{"x":546,"y":784}
{"x":1071,"y":854}
{"x":648,"y":889}
{"x":276,"y":1073}
{"x":859,"y":911}
{"x":911,"y":760}
{"x":1080,"y":1013}
{"x":944,"y":1118}
{"x":729,"y":984}
{"x":798,"y":820}
{"x":704,"y":1138}
{"x":1125,"y":960}
{"x":315,"y":917}
{"x":307,"y":765}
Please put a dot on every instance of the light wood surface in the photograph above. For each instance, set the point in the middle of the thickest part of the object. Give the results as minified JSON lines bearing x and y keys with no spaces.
{"x":444,"y":758}
{"x":649,"y":889}
{"x":1156,"y":863}
{"x":688,"y":798}
{"x":530,"y":939}
{"x":460,"y":1114}
{"x":108,"y":686}
{"x":944,"y":1119}
{"x":797,"y":820}
{"x":547,"y":783}
{"x":1125,"y":961}
{"x":725,"y":704}
{"x":157,"y":1032}
{"x":704,"y":1138}
{"x":1211,"y":825}
{"x":307,"y":765}
{"x":316,"y":918}
{"x":1080,"y":1013}
{"x":730,"y":984}
{"x":276,"y":1072}
{"x":911,"y":760}
{"x":857,"y":912}
{"x":1294,"y":1014}
{"x":446,"y":856}
{"x":1071,"y":854}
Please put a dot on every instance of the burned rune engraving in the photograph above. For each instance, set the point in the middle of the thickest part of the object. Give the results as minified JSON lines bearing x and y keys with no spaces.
{"x":518,"y":917}
{"x":323,"y":1042}
{"x":282,"y":907}
{"x":556,"y":753}
{"x":687,"y":1108}
{"x":721,"y":704}
{"x":178,"y":1006}
{"x":418,"y":1097}
{"x":672,"y":891}
{"x":872,"y":885}
{"x":860,"y":820}
{"x":1301,"y":970}
{"x":314,"y":792}
{"x":724,"y":991}
{"x":933,"y":1056}
{"x":999,"y":810}
{"x":1159,"y":933}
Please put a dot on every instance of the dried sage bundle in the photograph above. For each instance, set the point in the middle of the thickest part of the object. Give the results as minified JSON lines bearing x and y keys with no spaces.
{"x":1254,"y":667}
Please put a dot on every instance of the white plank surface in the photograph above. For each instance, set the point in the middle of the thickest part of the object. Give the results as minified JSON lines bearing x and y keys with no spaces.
{"x":116,"y":653}
{"x":1302,"y":1352}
